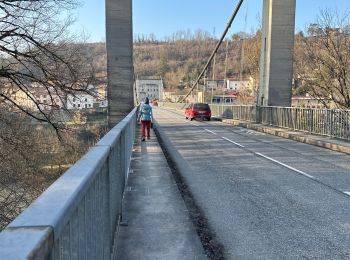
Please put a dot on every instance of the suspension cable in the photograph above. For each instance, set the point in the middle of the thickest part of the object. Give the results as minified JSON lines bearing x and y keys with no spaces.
{"x":238,"y":6}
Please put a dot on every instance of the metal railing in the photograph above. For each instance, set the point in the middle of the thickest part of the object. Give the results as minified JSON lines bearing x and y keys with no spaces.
{"x":329,"y":122}
{"x":247,"y":113}
{"x":78,"y":215}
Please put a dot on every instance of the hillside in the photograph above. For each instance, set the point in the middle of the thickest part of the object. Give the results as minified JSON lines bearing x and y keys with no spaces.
{"x":180,"y":61}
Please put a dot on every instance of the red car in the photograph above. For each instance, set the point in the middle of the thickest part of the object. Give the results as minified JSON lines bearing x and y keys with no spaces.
{"x":198,"y":110}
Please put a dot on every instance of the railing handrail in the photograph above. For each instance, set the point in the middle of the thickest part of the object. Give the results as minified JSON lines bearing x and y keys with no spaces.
{"x":321,"y":121}
{"x":306,"y":108}
{"x":34,"y":232}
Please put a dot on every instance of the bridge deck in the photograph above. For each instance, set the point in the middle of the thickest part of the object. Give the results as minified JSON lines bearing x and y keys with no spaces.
{"x":264,"y":197}
{"x":159,"y":226}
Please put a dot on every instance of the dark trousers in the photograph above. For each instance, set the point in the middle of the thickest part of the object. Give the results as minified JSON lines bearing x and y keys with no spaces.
{"x":146,"y":128}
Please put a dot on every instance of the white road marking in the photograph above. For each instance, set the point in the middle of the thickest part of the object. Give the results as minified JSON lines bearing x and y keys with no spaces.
{"x":287,"y":166}
{"x":252,"y":132}
{"x":194,"y":124}
{"x":232,"y":142}
{"x":210,"y":131}
{"x":347,"y":192}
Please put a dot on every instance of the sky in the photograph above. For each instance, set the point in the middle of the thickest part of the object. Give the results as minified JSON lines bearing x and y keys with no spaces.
{"x":165,"y":17}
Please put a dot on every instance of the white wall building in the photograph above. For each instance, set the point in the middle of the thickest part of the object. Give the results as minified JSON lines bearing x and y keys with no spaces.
{"x":151,"y":88}
{"x":237,"y":84}
{"x":80,"y":101}
{"x":214,"y":84}
{"x":86,"y":101}
{"x":49,"y":99}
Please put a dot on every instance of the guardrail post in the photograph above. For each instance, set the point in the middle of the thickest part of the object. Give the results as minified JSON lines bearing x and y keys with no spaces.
{"x":258,"y":114}
{"x":114,"y":186}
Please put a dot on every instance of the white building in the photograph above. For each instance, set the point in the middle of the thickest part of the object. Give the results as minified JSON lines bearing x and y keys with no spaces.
{"x":151,"y":88}
{"x":98,"y":99}
{"x":80,"y":101}
{"x":215,"y":84}
{"x":237,"y":84}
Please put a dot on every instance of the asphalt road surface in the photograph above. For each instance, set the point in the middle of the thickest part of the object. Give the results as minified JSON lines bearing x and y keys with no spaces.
{"x":265,"y":197}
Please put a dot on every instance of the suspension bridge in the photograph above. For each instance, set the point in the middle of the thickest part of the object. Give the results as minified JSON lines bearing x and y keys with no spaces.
{"x":263,"y":182}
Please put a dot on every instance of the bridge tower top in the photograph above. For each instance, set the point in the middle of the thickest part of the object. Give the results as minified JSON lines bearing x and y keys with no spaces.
{"x":119,"y":59}
{"x":276,"y":61}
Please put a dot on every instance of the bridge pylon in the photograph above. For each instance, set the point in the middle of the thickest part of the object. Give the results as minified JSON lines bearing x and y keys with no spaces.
{"x":120,"y":73}
{"x":276,"y":61}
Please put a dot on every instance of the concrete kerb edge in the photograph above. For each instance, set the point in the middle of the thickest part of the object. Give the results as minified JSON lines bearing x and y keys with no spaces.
{"x":294,"y":137}
{"x":182,"y":166}
{"x":183,"y":169}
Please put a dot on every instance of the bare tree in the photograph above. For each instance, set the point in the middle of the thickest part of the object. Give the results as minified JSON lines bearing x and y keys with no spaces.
{"x":17,"y":167}
{"x":252,"y":62}
{"x":30,"y":160}
{"x":35,"y":48}
{"x":323,"y":59}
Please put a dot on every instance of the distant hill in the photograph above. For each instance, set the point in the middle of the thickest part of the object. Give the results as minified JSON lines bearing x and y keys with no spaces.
{"x":180,"y":59}
{"x":97,"y":58}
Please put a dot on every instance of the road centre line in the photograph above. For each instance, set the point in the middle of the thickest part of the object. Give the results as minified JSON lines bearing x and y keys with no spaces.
{"x":278,"y":162}
{"x":210,"y":131}
{"x":287,"y":166}
{"x":232,"y":141}
{"x":347,"y":192}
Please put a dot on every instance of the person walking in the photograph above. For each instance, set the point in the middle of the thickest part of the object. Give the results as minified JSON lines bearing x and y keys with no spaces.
{"x":146,"y":118}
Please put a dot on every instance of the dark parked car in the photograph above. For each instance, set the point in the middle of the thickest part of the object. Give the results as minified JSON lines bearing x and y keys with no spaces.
{"x":198,"y":110}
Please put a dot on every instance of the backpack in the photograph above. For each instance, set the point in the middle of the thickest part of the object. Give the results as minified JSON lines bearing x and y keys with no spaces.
{"x":146,"y":112}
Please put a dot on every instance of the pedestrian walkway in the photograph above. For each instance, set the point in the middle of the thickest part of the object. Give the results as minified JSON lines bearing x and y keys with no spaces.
{"x":313,"y":139}
{"x":158,"y":223}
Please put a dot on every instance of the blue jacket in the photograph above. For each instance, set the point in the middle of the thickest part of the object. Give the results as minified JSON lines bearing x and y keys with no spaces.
{"x":146,"y":113}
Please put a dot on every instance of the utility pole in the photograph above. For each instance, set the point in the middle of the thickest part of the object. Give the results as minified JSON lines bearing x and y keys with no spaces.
{"x":223,"y":92}
{"x":242,"y":47}
{"x":226,"y":58}
{"x":242,"y":60}
{"x":212,"y":92}
{"x":205,"y":81}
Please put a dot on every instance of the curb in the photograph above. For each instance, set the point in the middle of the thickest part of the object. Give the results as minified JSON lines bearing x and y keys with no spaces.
{"x":281,"y":133}
{"x":181,"y":165}
{"x":181,"y":170}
